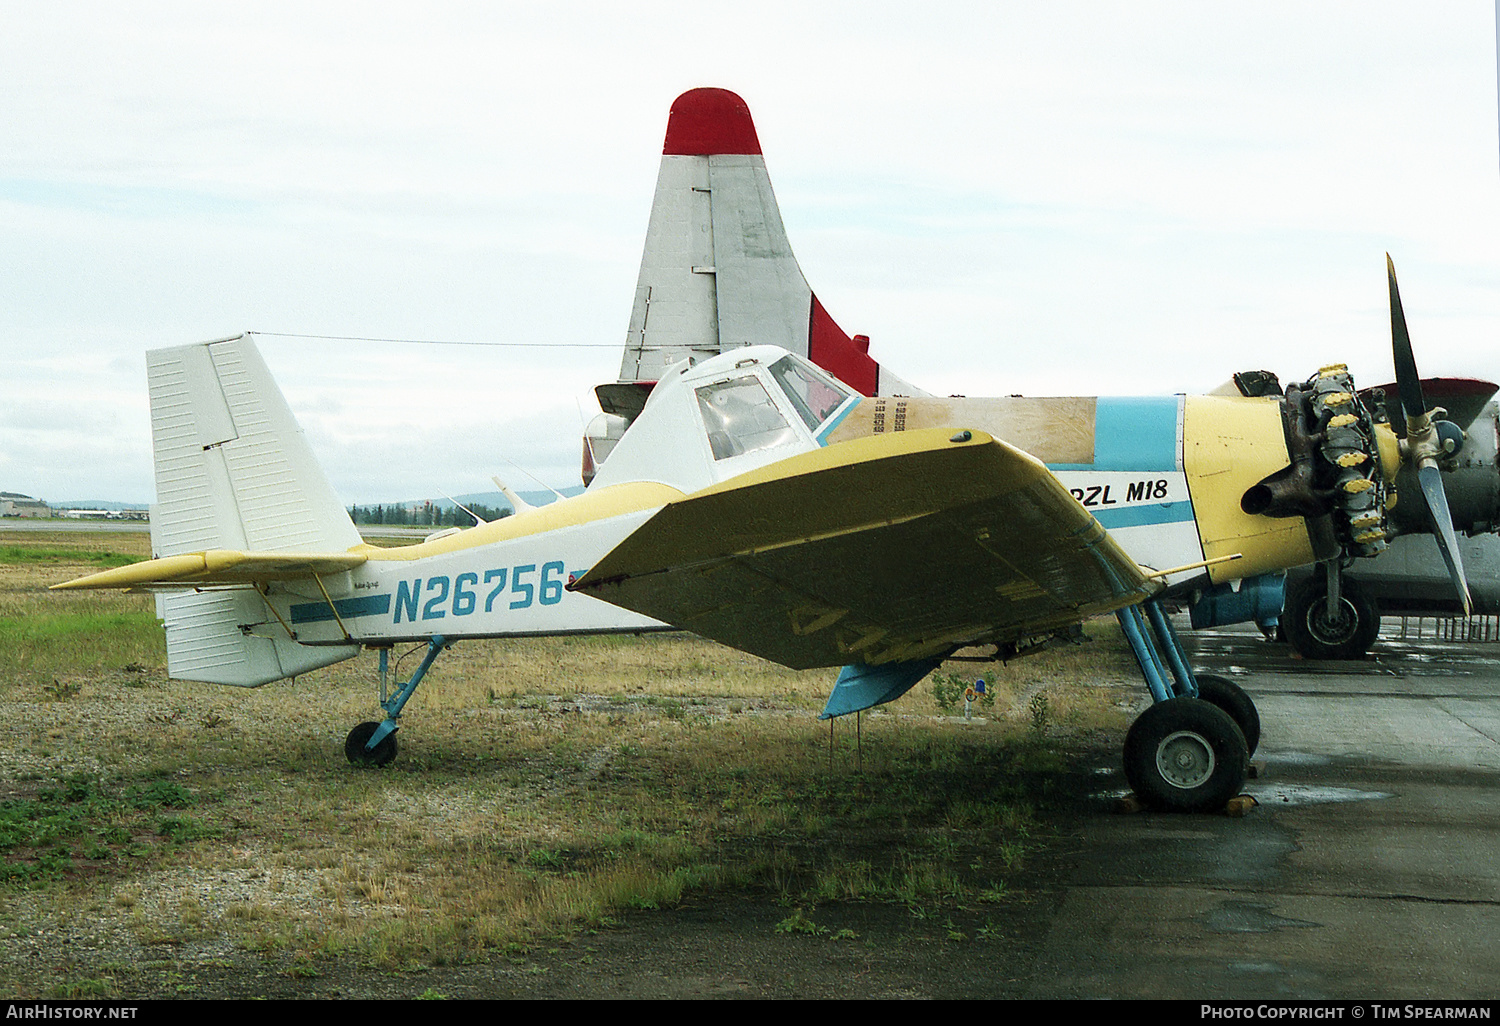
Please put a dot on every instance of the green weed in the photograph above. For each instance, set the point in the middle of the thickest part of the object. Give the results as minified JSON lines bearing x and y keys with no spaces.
{"x":43,"y":837}
{"x":184,"y":829}
{"x":800,"y":922}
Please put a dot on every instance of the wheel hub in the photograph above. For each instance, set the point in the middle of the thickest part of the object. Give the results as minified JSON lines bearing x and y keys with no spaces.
{"x":1332,"y":628}
{"x":1185,"y":759}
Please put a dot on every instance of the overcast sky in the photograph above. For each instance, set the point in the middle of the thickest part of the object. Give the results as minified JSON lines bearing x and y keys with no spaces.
{"x":1046,"y":198}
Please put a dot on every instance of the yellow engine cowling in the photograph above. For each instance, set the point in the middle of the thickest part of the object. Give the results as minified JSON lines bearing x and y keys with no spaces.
{"x":1229,"y":445}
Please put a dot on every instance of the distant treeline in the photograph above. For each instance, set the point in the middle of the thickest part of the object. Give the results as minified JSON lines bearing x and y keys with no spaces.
{"x":425,"y":515}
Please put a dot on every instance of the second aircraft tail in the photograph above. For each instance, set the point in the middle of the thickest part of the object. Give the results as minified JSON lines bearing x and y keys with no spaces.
{"x":717,"y":271}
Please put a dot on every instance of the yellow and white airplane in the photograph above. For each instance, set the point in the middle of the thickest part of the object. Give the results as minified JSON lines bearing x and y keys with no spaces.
{"x":744,"y":492}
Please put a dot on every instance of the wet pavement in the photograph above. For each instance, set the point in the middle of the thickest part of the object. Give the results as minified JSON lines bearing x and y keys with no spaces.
{"x":1370,"y":868}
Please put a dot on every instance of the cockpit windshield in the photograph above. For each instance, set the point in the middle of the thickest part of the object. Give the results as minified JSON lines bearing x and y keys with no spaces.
{"x":814,"y":396}
{"x":742,"y":414}
{"x":740,"y":417}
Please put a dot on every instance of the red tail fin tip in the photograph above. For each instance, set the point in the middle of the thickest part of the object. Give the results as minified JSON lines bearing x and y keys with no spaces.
{"x":705,"y":121}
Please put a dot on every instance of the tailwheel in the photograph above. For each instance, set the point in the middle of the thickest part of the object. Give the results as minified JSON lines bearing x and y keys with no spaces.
{"x":1230,"y":697}
{"x":356,"y":752}
{"x":1185,"y":755}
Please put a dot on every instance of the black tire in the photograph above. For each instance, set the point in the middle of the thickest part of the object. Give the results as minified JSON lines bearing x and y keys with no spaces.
{"x":1185,"y":755}
{"x":1230,"y":697}
{"x":358,"y":755}
{"x":1315,"y":634}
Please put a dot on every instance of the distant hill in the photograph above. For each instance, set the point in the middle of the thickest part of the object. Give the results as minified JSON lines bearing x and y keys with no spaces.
{"x":97,"y":504}
{"x":498,"y":499}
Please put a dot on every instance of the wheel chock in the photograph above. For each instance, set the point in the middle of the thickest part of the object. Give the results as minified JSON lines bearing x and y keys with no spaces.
{"x":1240,"y":806}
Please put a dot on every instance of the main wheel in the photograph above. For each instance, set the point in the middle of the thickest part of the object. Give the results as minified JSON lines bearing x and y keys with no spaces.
{"x":356,"y":752}
{"x":1185,"y":755}
{"x":1320,"y":632}
{"x":1230,"y":697}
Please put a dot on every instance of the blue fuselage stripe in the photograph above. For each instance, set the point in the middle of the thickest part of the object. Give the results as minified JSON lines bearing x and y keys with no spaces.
{"x":365,"y":605}
{"x":1140,"y":516}
{"x":1133,"y":433}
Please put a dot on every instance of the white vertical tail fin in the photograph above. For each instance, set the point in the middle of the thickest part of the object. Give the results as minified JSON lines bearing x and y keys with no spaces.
{"x":717,"y":271}
{"x":234,"y":471}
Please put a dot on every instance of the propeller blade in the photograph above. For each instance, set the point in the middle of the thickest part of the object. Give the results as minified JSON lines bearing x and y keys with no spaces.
{"x":1431,"y":480}
{"x":1423,"y":438}
{"x":1408,"y":383}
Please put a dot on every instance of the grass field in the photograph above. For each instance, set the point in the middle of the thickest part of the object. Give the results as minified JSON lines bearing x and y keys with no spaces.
{"x":545,"y":788}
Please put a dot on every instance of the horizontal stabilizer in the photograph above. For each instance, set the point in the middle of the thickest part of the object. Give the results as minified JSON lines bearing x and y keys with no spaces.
{"x":219,"y":567}
{"x":892,"y":548}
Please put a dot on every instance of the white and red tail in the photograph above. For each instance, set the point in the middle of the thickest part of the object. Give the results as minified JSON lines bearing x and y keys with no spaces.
{"x":717,"y":271}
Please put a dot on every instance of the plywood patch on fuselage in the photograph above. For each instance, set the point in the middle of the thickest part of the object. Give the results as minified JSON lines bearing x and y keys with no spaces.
{"x":1054,"y":430}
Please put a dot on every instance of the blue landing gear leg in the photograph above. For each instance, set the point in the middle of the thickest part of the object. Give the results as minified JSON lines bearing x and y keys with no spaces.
{"x":374,"y":744}
{"x":1187,"y":753}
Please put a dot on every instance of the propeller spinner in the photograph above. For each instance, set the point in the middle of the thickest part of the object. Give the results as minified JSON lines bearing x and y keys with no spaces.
{"x":1428,"y":438}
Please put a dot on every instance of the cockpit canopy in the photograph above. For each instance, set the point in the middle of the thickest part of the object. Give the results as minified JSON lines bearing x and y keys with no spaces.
{"x":728,"y":415}
{"x":741,"y":416}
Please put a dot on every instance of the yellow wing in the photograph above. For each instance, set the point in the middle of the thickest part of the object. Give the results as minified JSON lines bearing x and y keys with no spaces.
{"x":882,"y":549}
{"x":218,"y":567}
